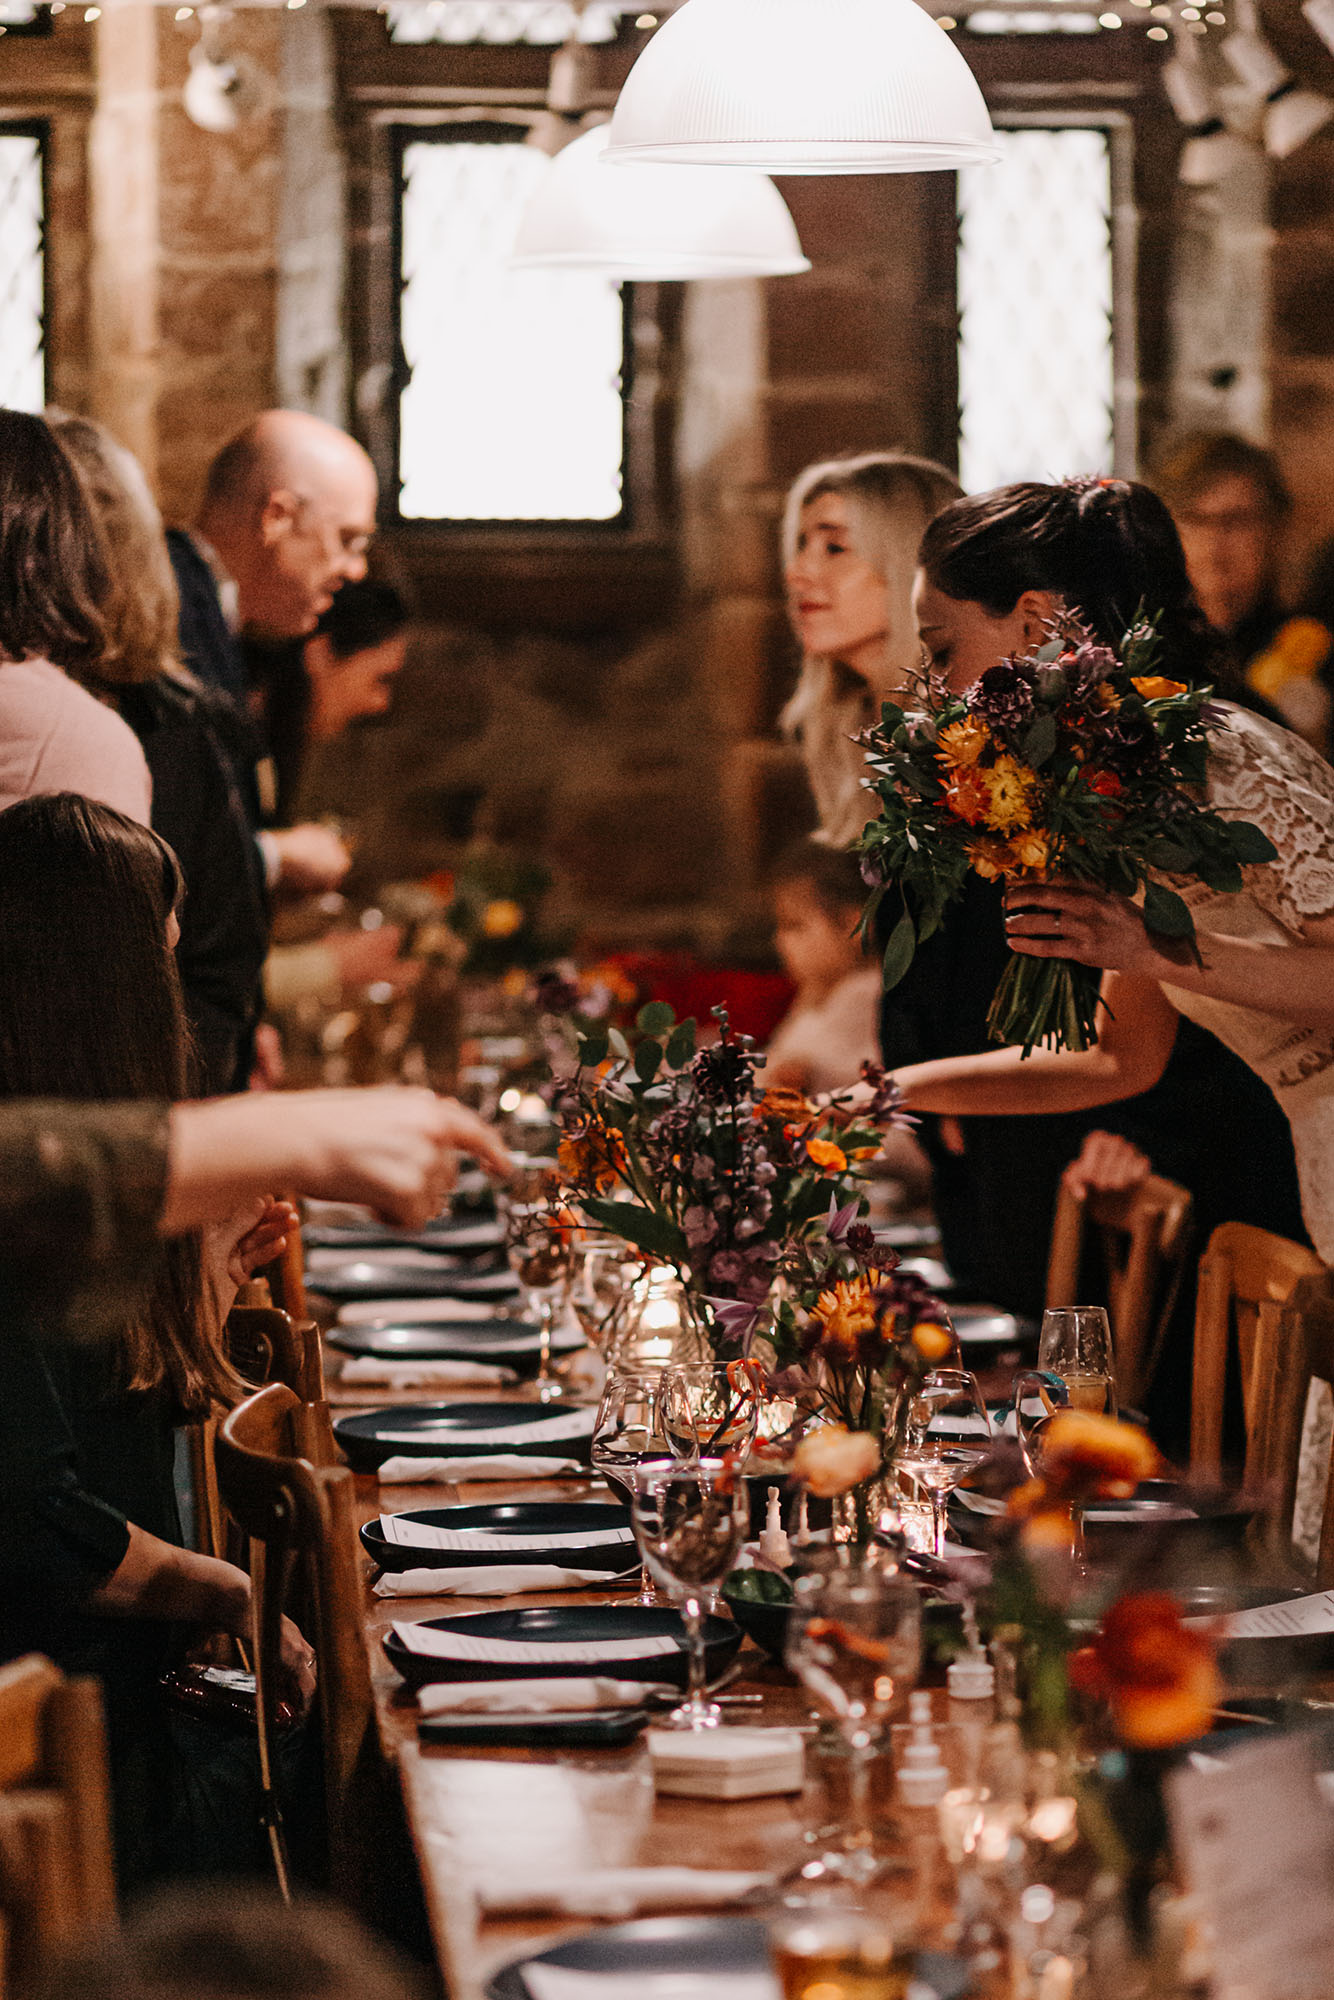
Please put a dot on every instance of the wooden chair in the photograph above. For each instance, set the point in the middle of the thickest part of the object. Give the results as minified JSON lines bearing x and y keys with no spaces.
{"x":1144,"y":1235}
{"x":1247,"y":1277}
{"x":1295,"y":1350}
{"x":286,"y":1276}
{"x":57,"y":1876}
{"x":301,"y":1528}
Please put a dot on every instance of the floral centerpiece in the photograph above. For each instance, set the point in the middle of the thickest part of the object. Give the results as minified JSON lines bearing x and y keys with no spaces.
{"x":1069,"y":761}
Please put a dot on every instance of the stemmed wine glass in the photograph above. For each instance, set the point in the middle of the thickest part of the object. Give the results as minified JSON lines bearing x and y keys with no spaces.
{"x":689,"y":1521}
{"x":1076,"y":1344}
{"x":949,"y":1432}
{"x":540,"y":1242}
{"x":604,"y":1271}
{"x":854,"y":1640}
{"x":710,"y":1409}
{"x":628,"y":1432}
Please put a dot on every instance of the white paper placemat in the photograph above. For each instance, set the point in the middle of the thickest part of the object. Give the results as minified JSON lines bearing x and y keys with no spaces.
{"x":421,"y":1374}
{"x":406,"y":1533}
{"x":551,"y":1430}
{"x":564,"y":1982}
{"x":472,"y":1649}
{"x":617,"y":1892}
{"x":573,"y":1696}
{"x":496,"y":1465}
{"x":487,"y":1580}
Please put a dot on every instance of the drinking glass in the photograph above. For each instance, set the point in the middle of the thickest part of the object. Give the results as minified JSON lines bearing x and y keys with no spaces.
{"x":709,"y":1409}
{"x":541,"y":1254}
{"x":627,"y":1431}
{"x":854,"y":1640}
{"x":1076,"y":1344}
{"x":689,"y":1522}
{"x":949,"y":1432}
{"x":605,"y":1268}
{"x":839,"y":1954}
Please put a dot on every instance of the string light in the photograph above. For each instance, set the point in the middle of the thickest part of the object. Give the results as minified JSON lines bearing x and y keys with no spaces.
{"x":92,"y":13}
{"x":1159,"y":35}
{"x":646,"y":21}
{"x":1109,"y":20}
{"x":946,"y":21}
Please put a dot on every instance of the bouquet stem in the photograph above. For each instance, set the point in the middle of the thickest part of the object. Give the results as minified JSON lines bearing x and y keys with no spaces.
{"x":1051,"y":1002}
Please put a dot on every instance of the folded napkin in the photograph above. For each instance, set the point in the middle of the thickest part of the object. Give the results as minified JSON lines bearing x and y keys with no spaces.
{"x":415,"y":1312}
{"x":398,"y":1256}
{"x":406,"y":1471}
{"x":419,"y":1374}
{"x":568,"y":1982}
{"x":488,"y":1580}
{"x":616,"y":1892}
{"x":575,"y":1696}
{"x":430,"y":1641}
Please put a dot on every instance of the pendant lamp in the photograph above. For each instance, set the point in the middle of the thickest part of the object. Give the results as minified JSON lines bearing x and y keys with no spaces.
{"x":651,"y":222}
{"x":802,"y":87}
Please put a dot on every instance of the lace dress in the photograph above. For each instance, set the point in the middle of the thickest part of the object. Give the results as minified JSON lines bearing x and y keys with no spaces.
{"x":1264,"y":774}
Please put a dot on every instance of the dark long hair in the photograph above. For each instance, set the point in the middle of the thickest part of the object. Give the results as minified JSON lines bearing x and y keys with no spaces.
{"x":54,"y":575}
{"x":1108,"y":547}
{"x":91,"y":1008}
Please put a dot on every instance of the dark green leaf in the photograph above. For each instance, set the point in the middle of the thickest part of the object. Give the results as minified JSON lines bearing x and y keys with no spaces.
{"x":1039,"y":740}
{"x":681,"y":1047}
{"x":655,"y":1018}
{"x":592,"y":1050}
{"x":648,"y":1061}
{"x":1248,"y":844}
{"x":1170,"y":856}
{"x":643,"y":1227}
{"x":899,"y":951}
{"x":1166,"y":914}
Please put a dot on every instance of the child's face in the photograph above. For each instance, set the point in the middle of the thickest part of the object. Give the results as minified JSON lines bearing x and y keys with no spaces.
{"x":815,"y":947}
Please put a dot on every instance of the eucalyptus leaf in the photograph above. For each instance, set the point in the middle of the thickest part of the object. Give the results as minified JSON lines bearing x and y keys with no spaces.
{"x":655,"y":1018}
{"x":899,"y":951}
{"x":648,"y":1060}
{"x":1039,"y":740}
{"x":1166,"y":914}
{"x":620,"y":1047}
{"x":593,"y":1050}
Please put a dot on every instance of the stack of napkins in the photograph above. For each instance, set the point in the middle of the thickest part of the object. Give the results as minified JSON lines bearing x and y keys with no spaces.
{"x":726,"y":1763}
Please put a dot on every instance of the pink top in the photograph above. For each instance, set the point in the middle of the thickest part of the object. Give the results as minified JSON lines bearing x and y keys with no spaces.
{"x":56,"y":737}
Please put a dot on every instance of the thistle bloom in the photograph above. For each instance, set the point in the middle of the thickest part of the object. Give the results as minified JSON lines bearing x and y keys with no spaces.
{"x":1158,"y":1677}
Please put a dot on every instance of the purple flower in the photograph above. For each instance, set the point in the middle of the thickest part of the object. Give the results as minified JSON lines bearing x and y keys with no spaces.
{"x":549,"y":993}
{"x":840,"y":1220}
{"x":728,"y":1267}
{"x":1004,"y":695}
{"x":700,"y":1227}
{"x":735,"y":1320}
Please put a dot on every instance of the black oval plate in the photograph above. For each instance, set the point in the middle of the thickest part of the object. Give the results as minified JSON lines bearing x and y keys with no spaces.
{"x":720,"y":1947}
{"x":451,"y":1237}
{"x":516,"y":1517}
{"x":569,"y":1625}
{"x":381,"y":1278}
{"x":513,"y":1343}
{"x":590,"y":1729}
{"x":449,"y":1426}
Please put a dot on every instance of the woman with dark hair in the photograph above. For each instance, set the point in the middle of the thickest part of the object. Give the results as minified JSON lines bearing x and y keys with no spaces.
{"x":1264,"y":980}
{"x":54,"y":586}
{"x":993,"y":569}
{"x":92,"y":1570}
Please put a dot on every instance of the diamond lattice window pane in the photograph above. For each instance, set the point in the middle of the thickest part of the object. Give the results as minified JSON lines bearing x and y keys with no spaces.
{"x":514,"y":409}
{"x":22,"y":363}
{"x":547,"y":22}
{"x":1036,"y":366}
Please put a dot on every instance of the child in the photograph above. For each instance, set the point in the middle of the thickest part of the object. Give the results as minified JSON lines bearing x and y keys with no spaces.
{"x":832,"y":1026}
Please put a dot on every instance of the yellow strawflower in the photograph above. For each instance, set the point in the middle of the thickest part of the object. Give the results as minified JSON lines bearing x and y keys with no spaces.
{"x":1010,"y":786}
{"x":962,"y":742}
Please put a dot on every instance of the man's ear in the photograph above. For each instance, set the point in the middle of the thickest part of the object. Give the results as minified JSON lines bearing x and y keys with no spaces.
{"x":1037,"y":608}
{"x":278,"y":516}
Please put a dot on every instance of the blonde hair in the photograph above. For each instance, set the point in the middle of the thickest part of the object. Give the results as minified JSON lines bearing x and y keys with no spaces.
{"x":890,"y":498}
{"x":142,"y":613}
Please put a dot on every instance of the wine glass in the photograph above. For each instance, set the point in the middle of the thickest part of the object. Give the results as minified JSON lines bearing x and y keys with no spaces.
{"x":710,"y":1409}
{"x":627,"y":1431}
{"x":689,"y":1521}
{"x":854,"y":1640}
{"x":541,"y":1253}
{"x":604,"y":1270}
{"x":1076,"y":1344}
{"x":949,"y":1432}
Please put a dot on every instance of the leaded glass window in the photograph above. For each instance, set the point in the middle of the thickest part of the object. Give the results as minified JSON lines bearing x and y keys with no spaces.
{"x":1037,"y":363}
{"x":22,"y":359}
{"x":513,"y":410}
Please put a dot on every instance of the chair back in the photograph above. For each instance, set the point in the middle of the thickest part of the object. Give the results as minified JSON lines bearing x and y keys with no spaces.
{"x":1143,"y":1234}
{"x":286,"y":1276}
{"x":1294,"y":1448}
{"x":1247,"y":1276}
{"x":57,"y":1876}
{"x":300,"y":1523}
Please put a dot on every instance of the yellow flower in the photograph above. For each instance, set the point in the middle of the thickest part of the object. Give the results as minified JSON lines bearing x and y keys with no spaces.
{"x":502,"y":918}
{"x":1106,"y":697}
{"x":991,"y":859}
{"x":832,"y":1460}
{"x":847,"y":1312}
{"x":962,"y":742}
{"x":1010,"y":791}
{"x":1153,"y":687}
{"x":823,"y":1153}
{"x":1030,"y":849}
{"x":932,"y":1341}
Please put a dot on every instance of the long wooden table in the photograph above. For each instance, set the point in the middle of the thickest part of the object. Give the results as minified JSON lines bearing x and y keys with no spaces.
{"x":529,"y":1811}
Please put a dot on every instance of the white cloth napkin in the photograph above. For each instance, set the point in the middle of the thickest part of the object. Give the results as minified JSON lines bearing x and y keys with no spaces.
{"x":616,"y":1892}
{"x":406,"y":1471}
{"x":419,"y":1374}
{"x":461,"y":1643}
{"x":487,"y":1580}
{"x":567,"y":1982}
{"x":575,"y":1696}
{"x":414,"y":1312}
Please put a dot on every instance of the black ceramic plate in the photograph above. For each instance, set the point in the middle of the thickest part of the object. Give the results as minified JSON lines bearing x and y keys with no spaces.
{"x":719,"y":1947}
{"x":590,"y":1729}
{"x":511,"y":1342}
{"x":551,"y":1518}
{"x":446,"y":1430}
{"x":574,"y":1625}
{"x":381,"y":1278}
{"x":457,"y":1236}
{"x":986,"y":1326}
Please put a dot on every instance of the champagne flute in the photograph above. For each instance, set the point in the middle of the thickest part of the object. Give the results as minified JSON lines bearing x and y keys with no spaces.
{"x":949,"y":1432}
{"x":689,"y":1521}
{"x":710,"y":1409}
{"x":854,"y":1640}
{"x":1076,"y":1344}
{"x":627,"y":1431}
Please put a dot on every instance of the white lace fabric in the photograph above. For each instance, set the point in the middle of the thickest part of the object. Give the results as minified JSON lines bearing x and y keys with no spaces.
{"x":1269,"y":776}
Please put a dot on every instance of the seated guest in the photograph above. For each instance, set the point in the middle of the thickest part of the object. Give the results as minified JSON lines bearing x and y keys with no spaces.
{"x":196,"y":809}
{"x":1231,"y":506}
{"x":92,"y":1568}
{"x":54,"y":585}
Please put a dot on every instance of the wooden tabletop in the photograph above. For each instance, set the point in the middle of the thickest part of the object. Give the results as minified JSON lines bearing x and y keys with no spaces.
{"x":527,"y":1811}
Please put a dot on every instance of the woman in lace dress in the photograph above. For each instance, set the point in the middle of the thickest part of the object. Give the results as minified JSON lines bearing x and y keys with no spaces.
{"x":1265,"y":982}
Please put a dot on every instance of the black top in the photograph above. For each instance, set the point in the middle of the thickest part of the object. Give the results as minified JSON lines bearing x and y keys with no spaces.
{"x":207,"y":645}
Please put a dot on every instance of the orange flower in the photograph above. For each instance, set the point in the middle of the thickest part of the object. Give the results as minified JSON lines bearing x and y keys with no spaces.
{"x":967,"y":796}
{"x":825,"y":1155}
{"x":1030,"y":849}
{"x":1086,"y":1457}
{"x":795,"y":1109}
{"x":1010,"y":787}
{"x":1153,"y":687}
{"x":1106,"y":697}
{"x":595,"y":1157}
{"x":993,"y":860}
{"x":962,"y":743}
{"x":932,"y":1341}
{"x":847,"y":1312}
{"x":502,"y":918}
{"x":832,"y":1460}
{"x":1159,"y":1678}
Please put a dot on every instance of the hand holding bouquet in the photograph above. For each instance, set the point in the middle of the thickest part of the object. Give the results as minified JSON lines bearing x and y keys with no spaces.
{"x":1071,"y":762}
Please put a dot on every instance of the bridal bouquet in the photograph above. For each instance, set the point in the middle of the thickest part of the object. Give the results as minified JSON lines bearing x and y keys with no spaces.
{"x":1070,"y":761}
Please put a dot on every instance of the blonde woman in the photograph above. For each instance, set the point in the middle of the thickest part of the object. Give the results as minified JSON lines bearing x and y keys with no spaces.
{"x":850,"y":534}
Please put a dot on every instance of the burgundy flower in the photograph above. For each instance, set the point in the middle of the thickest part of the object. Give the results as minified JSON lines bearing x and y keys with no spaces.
{"x":1004,"y":695}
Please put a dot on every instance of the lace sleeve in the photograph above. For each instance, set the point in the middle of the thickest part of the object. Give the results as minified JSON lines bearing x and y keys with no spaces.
{"x":1265,"y":774}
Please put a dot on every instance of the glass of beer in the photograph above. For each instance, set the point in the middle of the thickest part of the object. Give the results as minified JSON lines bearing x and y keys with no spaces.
{"x":1076,"y":1344}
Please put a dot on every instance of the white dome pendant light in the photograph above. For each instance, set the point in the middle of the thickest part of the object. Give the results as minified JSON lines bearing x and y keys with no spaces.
{"x":651,"y":223}
{"x":802,"y":87}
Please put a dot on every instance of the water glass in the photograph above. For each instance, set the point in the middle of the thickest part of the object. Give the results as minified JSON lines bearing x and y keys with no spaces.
{"x":949,"y":1433}
{"x":689,"y":1522}
{"x":710,"y":1409}
{"x":541,"y":1254}
{"x":627,"y":1432}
